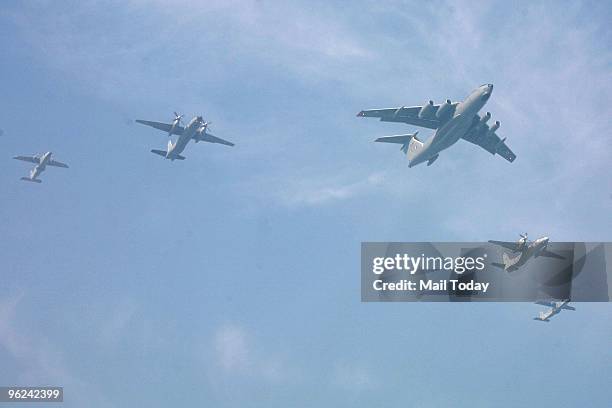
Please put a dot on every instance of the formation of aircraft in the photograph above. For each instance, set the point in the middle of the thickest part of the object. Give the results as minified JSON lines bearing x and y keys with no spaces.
{"x":555,"y":308}
{"x":42,"y":161}
{"x":451,"y":121}
{"x":196,"y":129}
{"x":525,"y":250}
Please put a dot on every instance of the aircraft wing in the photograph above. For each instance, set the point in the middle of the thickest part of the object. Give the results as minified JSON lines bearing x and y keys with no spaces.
{"x":545,"y":303}
{"x":480,"y":135}
{"x":31,"y":159}
{"x":406,"y":115}
{"x":549,"y":254}
{"x":178,"y":130}
{"x":207,"y":137}
{"x":57,"y":164}
{"x":510,"y":245}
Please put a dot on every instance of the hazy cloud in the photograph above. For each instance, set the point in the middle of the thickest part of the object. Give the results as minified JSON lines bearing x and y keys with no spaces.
{"x":352,"y":377}
{"x":322,"y":191}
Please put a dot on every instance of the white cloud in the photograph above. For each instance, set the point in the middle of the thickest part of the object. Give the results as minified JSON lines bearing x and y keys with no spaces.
{"x":39,"y":361}
{"x":352,"y":377}
{"x":9,"y":338}
{"x":238,"y":356}
{"x":120,"y":316}
{"x":184,"y":44}
{"x":320,"y":191}
{"x":232,"y":353}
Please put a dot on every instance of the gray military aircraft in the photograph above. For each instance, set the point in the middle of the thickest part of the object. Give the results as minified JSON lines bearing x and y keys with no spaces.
{"x":451,"y":121}
{"x":526,"y":250}
{"x":41,"y":161}
{"x":196,"y":129}
{"x":555,"y":308}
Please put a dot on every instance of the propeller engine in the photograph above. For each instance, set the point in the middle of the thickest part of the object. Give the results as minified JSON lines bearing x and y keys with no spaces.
{"x":176,"y":122}
{"x":202,"y":129}
{"x":522,"y":243}
{"x":177,"y":117}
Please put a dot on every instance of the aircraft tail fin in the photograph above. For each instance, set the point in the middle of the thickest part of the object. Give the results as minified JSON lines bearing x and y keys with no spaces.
{"x":566,"y":307}
{"x":545,"y":316}
{"x":33,"y":180}
{"x":159,"y":152}
{"x":404,"y":140}
{"x":413,"y":147}
{"x":508,"y":262}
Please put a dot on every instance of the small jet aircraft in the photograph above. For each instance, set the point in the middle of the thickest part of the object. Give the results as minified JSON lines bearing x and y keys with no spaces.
{"x":42,"y":161}
{"x":555,"y":308}
{"x":195,"y":129}
{"x":451,"y":121}
{"x":525,"y":250}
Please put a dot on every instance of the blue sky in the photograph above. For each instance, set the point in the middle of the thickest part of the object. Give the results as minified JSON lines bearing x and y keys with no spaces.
{"x":232,"y":278}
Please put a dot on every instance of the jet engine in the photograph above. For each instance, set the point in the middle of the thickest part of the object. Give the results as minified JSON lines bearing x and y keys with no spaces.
{"x":484,"y":119}
{"x":493,"y":128}
{"x":444,"y":109}
{"x":426,"y":111}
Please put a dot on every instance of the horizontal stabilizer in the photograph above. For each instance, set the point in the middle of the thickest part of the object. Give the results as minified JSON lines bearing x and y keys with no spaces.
{"x":159,"y":152}
{"x":510,"y":261}
{"x":32,"y":180}
{"x":399,"y":139}
{"x":179,"y":157}
{"x":404,"y":140}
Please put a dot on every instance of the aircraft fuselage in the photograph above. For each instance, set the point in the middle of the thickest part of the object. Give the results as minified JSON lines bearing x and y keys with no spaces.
{"x":190,"y":130}
{"x":456,"y":127}
{"x":41,"y":166}
{"x":532,"y":250}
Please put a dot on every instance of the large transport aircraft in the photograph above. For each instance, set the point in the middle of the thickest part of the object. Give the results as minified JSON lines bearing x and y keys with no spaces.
{"x":451,"y":121}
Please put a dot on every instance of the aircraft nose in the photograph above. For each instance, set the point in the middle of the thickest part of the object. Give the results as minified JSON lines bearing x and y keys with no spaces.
{"x":486,"y":91}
